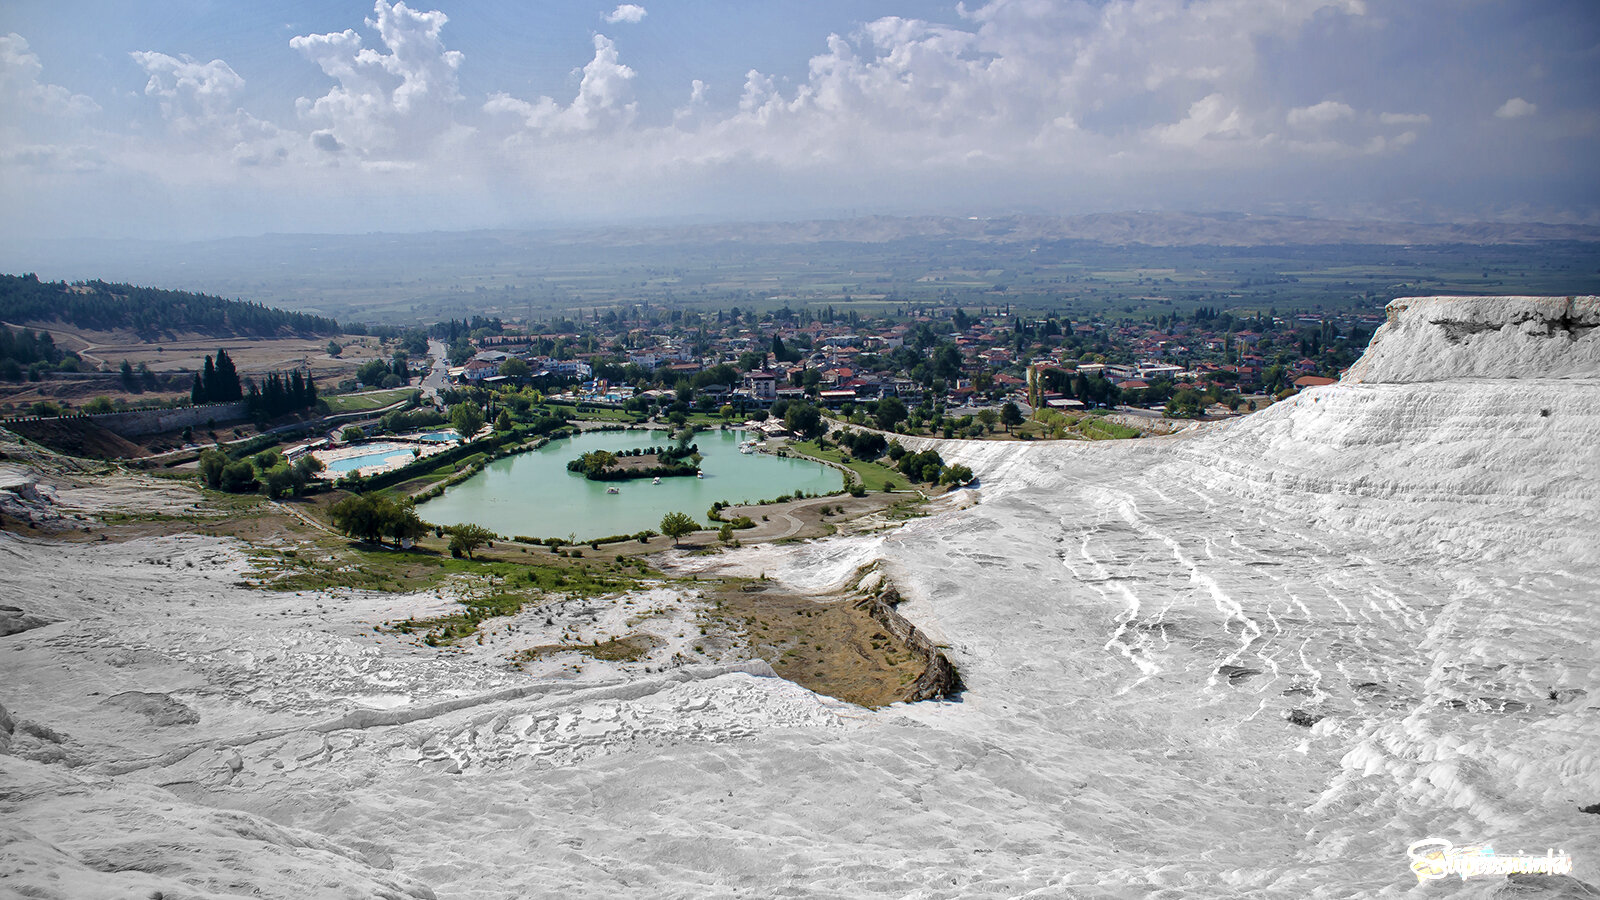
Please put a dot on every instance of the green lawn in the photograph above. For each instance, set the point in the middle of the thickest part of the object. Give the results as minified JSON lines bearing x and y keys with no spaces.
{"x":344,"y":403}
{"x":870,"y":473}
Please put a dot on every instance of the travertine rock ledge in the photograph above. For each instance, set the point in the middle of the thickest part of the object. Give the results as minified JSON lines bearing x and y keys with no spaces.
{"x":1440,"y":338}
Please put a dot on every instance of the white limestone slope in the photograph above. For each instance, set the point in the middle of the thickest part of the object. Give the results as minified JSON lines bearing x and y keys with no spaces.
{"x":1256,"y":661}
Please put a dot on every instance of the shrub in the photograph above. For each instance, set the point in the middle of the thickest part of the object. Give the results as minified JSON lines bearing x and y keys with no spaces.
{"x":237,"y":477}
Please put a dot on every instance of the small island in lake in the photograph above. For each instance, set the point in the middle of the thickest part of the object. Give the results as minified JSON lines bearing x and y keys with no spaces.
{"x":649,"y":462}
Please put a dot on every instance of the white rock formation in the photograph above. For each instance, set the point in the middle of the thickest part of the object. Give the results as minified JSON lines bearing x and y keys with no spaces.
{"x":1450,"y":338}
{"x":1259,"y":661}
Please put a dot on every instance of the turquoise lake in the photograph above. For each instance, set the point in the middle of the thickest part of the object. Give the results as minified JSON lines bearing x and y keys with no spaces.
{"x":534,"y":494}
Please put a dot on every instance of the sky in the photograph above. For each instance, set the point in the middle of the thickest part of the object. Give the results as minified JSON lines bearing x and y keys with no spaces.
{"x":190,"y":119}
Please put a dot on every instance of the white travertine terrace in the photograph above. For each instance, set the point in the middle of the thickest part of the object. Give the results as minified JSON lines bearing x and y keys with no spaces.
{"x":1258,"y":660}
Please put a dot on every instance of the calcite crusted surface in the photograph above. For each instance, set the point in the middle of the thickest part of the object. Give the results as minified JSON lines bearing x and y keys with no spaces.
{"x":1256,"y":660}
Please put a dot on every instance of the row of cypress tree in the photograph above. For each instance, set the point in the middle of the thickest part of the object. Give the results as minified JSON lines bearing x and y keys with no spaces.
{"x":218,"y":382}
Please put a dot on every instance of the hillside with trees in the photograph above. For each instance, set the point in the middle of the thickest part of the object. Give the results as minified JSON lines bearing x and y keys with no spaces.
{"x":150,"y":312}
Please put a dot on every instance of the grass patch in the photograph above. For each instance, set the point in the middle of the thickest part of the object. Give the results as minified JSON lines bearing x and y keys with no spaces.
{"x":1096,"y":428}
{"x":345,"y":403}
{"x":491,"y":588}
{"x":632,"y":648}
{"x":446,"y":630}
{"x":870,"y":474}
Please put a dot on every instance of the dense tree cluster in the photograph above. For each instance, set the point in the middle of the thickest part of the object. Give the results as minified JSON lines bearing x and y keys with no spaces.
{"x":371,"y":518}
{"x":278,"y":395}
{"x":218,"y":382}
{"x":377,"y":373}
{"x":867,"y":445}
{"x":267,"y":471}
{"x":27,"y":351}
{"x":148,"y":311}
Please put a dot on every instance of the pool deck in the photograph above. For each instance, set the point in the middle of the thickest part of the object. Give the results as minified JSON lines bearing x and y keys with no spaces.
{"x":349,"y":451}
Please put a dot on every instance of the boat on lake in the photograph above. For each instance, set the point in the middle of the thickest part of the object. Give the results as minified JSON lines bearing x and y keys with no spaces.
{"x":612,"y":490}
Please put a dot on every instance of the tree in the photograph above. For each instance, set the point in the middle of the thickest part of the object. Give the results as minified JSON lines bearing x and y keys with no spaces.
{"x":98,"y":405}
{"x":305,"y":468}
{"x":804,"y":419}
{"x":596,"y":461}
{"x":891,"y":411}
{"x":372,"y":372}
{"x":129,"y":382}
{"x":238,"y":477}
{"x":277,"y":481}
{"x":503,"y":421}
{"x":675,"y":525}
{"x":334,"y":349}
{"x":957,"y":475}
{"x":358,"y":517}
{"x":988,"y":417}
{"x":467,"y":537}
{"x":352,"y":433}
{"x":228,"y":387}
{"x":403,"y":523}
{"x":515,"y":368}
{"x":1185,"y":404}
{"x":1010,"y":416}
{"x":212,"y":462}
{"x":467,"y":418}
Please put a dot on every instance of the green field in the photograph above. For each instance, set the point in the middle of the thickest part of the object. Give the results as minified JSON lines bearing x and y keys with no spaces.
{"x":344,"y":403}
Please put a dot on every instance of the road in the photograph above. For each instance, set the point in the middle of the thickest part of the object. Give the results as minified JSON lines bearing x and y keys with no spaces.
{"x":437,"y":377}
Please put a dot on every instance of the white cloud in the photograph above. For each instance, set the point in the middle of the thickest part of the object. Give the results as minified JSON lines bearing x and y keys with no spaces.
{"x":189,"y":90}
{"x":1324,"y":113}
{"x":601,"y":103}
{"x":397,"y":102}
{"x":1210,"y":118}
{"x":1516,"y":108}
{"x":1035,"y":98}
{"x":631,"y":13}
{"x":20,"y":86}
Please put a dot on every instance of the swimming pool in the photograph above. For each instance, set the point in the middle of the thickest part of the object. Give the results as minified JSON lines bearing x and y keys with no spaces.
{"x":377,"y":455}
{"x":440,"y":437}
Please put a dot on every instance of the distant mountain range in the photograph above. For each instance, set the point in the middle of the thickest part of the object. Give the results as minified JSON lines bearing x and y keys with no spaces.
{"x":1148,"y":229}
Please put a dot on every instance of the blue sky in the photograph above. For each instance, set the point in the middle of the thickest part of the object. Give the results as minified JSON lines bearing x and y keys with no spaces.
{"x":198,"y":119}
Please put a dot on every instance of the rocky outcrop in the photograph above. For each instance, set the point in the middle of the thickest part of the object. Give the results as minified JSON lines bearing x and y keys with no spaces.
{"x":939,"y":678}
{"x":160,"y":709}
{"x":1442,"y":338}
{"x":13,"y":620}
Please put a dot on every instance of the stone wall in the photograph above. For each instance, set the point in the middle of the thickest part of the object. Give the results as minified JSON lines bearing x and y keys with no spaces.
{"x":153,"y":421}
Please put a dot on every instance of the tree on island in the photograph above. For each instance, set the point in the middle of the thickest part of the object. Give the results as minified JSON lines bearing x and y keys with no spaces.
{"x":675,"y":525}
{"x":596,"y":461}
